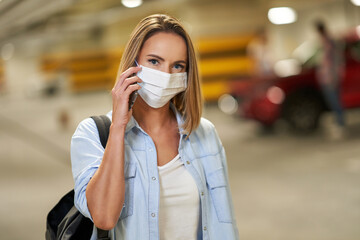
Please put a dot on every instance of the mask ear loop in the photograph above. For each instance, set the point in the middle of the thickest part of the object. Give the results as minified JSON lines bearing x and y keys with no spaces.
{"x":136,"y":63}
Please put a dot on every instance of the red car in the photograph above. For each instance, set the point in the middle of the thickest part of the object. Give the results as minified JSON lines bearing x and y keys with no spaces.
{"x":297,"y":98}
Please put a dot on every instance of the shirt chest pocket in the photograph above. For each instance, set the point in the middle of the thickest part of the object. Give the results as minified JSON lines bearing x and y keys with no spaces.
{"x":130,"y":173}
{"x":217,"y":185}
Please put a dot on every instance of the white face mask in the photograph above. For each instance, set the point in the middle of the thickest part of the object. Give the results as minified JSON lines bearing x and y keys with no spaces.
{"x":159,"y":87}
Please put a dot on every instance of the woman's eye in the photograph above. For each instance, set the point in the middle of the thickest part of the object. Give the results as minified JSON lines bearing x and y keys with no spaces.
{"x":179,"y":66}
{"x":153,"y":61}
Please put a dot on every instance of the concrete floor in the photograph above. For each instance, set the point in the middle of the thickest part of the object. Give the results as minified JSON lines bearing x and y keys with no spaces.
{"x":284,"y":186}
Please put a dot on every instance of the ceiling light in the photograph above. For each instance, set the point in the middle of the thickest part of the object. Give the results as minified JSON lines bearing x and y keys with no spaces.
{"x":356,"y":2}
{"x":282,"y":15}
{"x":131,"y":3}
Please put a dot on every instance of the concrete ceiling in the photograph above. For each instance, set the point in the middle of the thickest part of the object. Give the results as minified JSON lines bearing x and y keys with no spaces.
{"x":51,"y":19}
{"x":24,"y":16}
{"x":17,"y":16}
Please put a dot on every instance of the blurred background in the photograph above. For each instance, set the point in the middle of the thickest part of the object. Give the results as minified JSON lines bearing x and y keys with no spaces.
{"x":294,"y":172}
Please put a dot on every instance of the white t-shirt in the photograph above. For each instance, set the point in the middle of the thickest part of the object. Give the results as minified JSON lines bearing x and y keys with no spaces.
{"x":179,"y":202}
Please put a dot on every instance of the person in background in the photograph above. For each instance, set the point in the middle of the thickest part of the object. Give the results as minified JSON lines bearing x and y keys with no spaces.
{"x":259,"y":52}
{"x":329,"y":75}
{"x":163,"y":173}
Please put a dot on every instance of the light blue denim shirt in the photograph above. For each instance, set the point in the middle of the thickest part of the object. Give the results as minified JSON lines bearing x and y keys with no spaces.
{"x":203,"y":156}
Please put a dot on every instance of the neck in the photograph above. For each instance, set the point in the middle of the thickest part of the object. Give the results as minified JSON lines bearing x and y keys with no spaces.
{"x":152,"y":120}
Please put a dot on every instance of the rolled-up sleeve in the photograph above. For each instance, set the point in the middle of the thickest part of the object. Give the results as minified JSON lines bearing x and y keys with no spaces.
{"x":86,"y":156}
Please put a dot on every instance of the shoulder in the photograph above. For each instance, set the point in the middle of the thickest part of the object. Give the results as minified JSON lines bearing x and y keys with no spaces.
{"x":206,"y":138}
{"x":205,"y":127}
{"x":87,"y":128}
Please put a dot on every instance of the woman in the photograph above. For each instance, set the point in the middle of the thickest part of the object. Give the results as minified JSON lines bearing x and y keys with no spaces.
{"x":163,"y":174}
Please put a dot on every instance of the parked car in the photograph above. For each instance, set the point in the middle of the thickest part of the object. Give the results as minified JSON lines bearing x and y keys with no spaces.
{"x":297,"y":98}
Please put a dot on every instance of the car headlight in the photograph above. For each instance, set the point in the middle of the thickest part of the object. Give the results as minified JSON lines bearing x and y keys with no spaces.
{"x":275,"y":95}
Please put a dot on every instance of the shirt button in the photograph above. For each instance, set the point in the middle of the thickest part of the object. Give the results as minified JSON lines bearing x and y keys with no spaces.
{"x":187,"y":162}
{"x":202,"y":193}
{"x":205,"y":228}
{"x":150,"y":149}
{"x":153,"y":178}
{"x":153,"y":215}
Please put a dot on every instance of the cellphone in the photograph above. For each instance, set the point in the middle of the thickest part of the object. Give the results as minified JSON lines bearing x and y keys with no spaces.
{"x":134,"y":94}
{"x":132,"y":99}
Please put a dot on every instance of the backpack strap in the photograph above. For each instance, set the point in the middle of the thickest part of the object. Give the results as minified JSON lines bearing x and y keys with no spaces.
{"x":103,"y":125}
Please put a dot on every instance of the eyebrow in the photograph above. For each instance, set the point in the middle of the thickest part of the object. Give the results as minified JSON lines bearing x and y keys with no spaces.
{"x":160,"y":58}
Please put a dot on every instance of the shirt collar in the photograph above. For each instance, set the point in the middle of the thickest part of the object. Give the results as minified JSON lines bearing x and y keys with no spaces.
{"x":131,"y":124}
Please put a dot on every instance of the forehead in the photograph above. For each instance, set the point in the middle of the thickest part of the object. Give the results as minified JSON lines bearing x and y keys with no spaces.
{"x":166,"y":45}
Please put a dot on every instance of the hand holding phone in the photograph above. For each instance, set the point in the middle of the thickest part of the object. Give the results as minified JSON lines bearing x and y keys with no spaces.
{"x":125,"y":86}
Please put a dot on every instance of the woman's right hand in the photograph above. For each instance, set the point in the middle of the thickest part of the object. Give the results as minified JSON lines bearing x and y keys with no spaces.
{"x":125,"y":85}
{"x":105,"y":192}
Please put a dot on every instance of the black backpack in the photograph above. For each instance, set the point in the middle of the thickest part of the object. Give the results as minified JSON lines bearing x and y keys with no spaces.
{"x":64,"y":221}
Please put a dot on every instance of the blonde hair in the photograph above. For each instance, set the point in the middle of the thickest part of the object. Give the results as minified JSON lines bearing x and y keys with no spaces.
{"x":189,"y":103}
